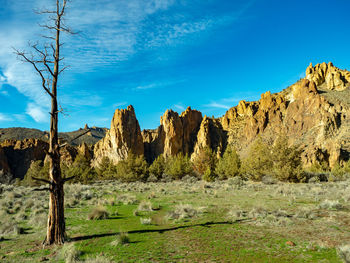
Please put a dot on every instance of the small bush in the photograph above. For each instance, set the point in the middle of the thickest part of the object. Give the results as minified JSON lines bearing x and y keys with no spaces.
{"x":286,"y":161}
{"x":132,"y":169}
{"x":178,"y":166}
{"x":205,"y":160}
{"x":145,"y":206}
{"x":183,"y":211}
{"x":81,"y":169}
{"x":258,"y":161}
{"x":122,"y":239}
{"x":209,"y":175}
{"x":146,"y":221}
{"x":98,"y":213}
{"x":106,"y":169}
{"x":331,"y":205}
{"x":229,"y":165}
{"x":158,"y":167}
{"x":69,"y":253}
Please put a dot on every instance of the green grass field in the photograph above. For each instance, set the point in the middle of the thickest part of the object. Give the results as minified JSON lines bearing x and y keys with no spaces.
{"x":181,"y":221}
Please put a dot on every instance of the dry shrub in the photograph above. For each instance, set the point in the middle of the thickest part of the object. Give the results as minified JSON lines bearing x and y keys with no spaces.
{"x":98,"y":213}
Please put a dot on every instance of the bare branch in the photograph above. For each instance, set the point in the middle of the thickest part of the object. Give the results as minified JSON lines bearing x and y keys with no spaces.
{"x":62,"y":145}
{"x":44,"y":55}
{"x":63,"y":8}
{"x":43,"y":11}
{"x":31,"y":61}
{"x":64,"y":68}
{"x":41,"y":180}
{"x":48,"y":37}
{"x":68,"y":179}
{"x":88,"y":130}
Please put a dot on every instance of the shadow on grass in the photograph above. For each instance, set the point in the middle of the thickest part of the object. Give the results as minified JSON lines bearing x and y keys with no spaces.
{"x":161,"y":231}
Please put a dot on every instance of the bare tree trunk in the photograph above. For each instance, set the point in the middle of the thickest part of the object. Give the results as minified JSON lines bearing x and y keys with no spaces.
{"x":56,"y":232}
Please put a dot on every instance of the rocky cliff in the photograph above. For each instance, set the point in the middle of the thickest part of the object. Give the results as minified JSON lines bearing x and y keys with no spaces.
{"x":16,"y":156}
{"x":313,"y":113}
{"x":123,"y":137}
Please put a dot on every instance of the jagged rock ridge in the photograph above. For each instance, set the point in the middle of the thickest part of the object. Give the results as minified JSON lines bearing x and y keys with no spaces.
{"x":312,"y":113}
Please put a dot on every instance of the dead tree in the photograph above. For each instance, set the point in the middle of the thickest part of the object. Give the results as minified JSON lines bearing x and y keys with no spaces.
{"x":46,"y":60}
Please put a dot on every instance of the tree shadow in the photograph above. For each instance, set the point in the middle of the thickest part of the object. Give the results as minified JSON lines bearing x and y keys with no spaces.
{"x":160,"y":231}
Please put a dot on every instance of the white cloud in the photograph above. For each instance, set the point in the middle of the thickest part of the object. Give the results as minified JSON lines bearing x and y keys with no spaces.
{"x":4,"y":117}
{"x":144,"y":87}
{"x":179,"y":107}
{"x":161,"y":84}
{"x":37,"y":113}
{"x":217,"y":105}
{"x":118,"y":104}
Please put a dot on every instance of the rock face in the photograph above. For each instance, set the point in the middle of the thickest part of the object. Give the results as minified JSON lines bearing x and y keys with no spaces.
{"x":313,"y":113}
{"x":20,"y":154}
{"x":124,"y":136}
{"x":212,"y":135}
{"x":176,"y":134}
{"x":329,"y":76}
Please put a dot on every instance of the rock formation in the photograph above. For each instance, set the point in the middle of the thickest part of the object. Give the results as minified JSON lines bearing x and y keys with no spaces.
{"x":329,"y":76}
{"x":124,"y":136}
{"x":176,"y":134}
{"x":20,"y":154}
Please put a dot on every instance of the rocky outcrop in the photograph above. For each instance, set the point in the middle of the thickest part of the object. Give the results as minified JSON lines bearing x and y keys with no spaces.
{"x":329,"y":76}
{"x":212,"y":135}
{"x":191,"y":121}
{"x":123,"y":137}
{"x":308,"y":112}
{"x":20,"y":154}
{"x":85,"y":151}
{"x":176,"y":134}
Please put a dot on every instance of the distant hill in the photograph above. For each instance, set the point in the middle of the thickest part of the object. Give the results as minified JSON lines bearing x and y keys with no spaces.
{"x":18,"y":133}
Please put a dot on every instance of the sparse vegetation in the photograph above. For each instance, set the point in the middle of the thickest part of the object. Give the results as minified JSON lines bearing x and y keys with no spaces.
{"x":237,"y":212}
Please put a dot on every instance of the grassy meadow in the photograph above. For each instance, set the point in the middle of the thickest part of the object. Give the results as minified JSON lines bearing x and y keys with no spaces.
{"x":182,"y":221}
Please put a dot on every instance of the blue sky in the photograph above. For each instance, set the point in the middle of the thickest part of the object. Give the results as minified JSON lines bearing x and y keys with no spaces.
{"x":160,"y":54}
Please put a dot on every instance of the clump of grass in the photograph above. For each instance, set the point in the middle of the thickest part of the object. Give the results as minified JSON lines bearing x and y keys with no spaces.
{"x":11,"y":228}
{"x":344,"y":253}
{"x":235,"y":215}
{"x":146,"y":221}
{"x":69,"y":253}
{"x":122,"y":239}
{"x":183,"y":211}
{"x":127,"y":200}
{"x":306,"y":214}
{"x":98,"y":213}
{"x":145,"y":206}
{"x":331,"y":205}
{"x":258,"y":212}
